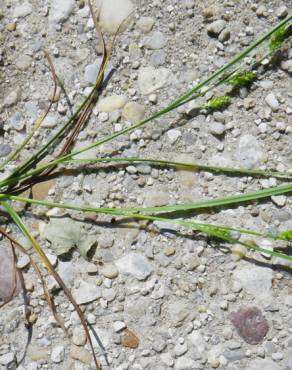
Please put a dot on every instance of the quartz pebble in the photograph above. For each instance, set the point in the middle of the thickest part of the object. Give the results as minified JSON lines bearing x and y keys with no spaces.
{"x":58,"y":354}
{"x":272,"y":102}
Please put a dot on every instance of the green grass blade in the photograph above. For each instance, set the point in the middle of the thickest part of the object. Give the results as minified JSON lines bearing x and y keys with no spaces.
{"x":221,"y":232}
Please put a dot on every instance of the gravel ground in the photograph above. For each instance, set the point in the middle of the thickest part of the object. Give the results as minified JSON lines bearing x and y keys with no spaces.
{"x":157,"y":298}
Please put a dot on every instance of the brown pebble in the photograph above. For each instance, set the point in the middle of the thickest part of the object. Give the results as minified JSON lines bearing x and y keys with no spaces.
{"x":129,"y":339}
{"x":250,"y":324}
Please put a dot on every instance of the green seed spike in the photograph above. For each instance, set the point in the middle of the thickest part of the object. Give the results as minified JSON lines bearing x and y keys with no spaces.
{"x":218,"y":103}
{"x":243,"y":78}
{"x":287,"y":235}
{"x":278,"y":38}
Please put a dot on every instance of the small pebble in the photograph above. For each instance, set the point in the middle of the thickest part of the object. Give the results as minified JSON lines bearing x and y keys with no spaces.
{"x":129,"y":339}
{"x":216,"y":27}
{"x":272,"y":102}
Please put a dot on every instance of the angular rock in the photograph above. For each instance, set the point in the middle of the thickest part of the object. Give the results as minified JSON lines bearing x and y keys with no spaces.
{"x":155,"y":41}
{"x":65,"y":233}
{"x":22,"y":10}
{"x":58,"y":354}
{"x":60,"y":10}
{"x":256,"y":281}
{"x":151,"y":79}
{"x":136,"y":265}
{"x":86,"y":293}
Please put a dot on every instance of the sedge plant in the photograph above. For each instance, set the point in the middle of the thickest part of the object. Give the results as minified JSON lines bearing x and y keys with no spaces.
{"x":39,"y":166}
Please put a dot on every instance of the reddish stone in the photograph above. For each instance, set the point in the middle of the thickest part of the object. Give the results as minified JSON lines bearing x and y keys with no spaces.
{"x":250,"y":324}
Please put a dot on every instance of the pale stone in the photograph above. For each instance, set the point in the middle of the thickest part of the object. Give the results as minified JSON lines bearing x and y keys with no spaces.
{"x":133,"y":112}
{"x":111,"y":103}
{"x":115,"y":15}
{"x":151,"y":79}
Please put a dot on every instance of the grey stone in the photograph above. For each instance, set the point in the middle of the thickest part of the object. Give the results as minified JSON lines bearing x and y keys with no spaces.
{"x":155,"y":41}
{"x":282,"y":11}
{"x":173,"y":135}
{"x":79,"y":336}
{"x":65,"y":233}
{"x":184,"y":363}
{"x":23,"y":62}
{"x":91,"y":71}
{"x":216,"y":128}
{"x":22,"y":10}
{"x":158,"y":58}
{"x":256,"y":281}
{"x":136,"y":265}
{"x":288,"y":362}
{"x":235,"y":355}
{"x":12,"y":98}
{"x":180,"y":349}
{"x":177,"y":311}
{"x":8,"y":360}
{"x":66,"y":271}
{"x":151,"y":79}
{"x":58,"y":354}
{"x":248,"y":153}
{"x":224,"y":35}
{"x":50,"y":121}
{"x":265,"y":364}
{"x":216,"y":27}
{"x":279,"y":200}
{"x":145,"y":24}
{"x":5,"y":149}
{"x":23,"y":261}
{"x":60,"y":10}
{"x":109,"y":294}
{"x":119,"y":326}
{"x":86,"y":293}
